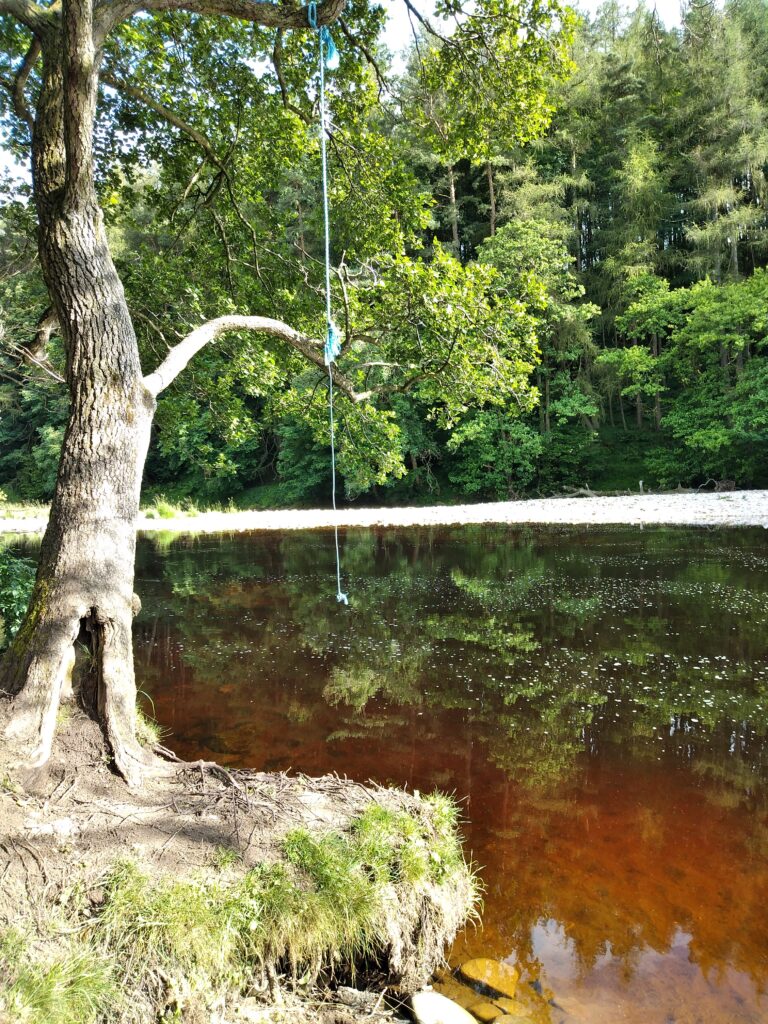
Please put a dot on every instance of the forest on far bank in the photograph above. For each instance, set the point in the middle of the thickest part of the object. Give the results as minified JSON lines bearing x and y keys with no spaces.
{"x":621,"y":231}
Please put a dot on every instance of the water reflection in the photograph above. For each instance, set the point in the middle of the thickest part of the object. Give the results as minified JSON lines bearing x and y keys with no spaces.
{"x":597,"y":698}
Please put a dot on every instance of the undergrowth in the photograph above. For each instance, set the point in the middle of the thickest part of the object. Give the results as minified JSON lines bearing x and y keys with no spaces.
{"x":17,"y":576}
{"x":392,"y":889}
{"x":161,"y":508}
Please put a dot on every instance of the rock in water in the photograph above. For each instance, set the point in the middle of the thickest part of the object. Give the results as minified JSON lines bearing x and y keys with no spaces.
{"x":512,"y":1008}
{"x":432,"y":1008}
{"x":485,"y":1011}
{"x":491,"y":974}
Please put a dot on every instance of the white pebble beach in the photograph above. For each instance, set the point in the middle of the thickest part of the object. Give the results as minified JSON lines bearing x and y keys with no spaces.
{"x":705,"y":509}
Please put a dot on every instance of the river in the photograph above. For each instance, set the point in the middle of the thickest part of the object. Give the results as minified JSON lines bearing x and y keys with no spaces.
{"x":597,"y":699}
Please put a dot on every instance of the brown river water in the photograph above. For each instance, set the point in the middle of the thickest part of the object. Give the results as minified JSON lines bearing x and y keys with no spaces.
{"x":596,"y":699}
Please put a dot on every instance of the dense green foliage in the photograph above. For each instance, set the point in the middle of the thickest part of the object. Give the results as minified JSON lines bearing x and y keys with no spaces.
{"x":17,"y":575}
{"x":550,"y":269}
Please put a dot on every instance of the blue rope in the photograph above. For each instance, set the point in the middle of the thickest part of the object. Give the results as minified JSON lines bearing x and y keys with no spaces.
{"x":329,"y":58}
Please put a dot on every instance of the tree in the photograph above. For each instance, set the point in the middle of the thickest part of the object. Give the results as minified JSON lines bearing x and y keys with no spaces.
{"x":58,"y":55}
{"x":456,"y":111}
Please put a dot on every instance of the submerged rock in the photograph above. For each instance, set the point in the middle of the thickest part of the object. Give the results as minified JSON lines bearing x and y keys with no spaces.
{"x":432,"y":1008}
{"x":495,"y":975}
{"x":485,"y":1011}
{"x":513,"y":1008}
{"x":457,"y":991}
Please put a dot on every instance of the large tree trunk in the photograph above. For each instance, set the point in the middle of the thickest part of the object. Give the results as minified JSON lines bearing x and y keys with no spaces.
{"x":84,"y":585}
{"x":83,"y":592}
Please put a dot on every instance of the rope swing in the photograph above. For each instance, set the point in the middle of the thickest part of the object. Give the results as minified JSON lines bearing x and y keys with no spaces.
{"x":328,"y":58}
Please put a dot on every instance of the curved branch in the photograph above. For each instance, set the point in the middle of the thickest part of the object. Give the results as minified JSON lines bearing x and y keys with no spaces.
{"x":111,"y":13}
{"x":35,"y":353}
{"x":277,"y":64}
{"x":17,"y":86}
{"x":359,"y":45}
{"x":166,"y":113}
{"x":424,"y":22}
{"x":180,"y":355}
{"x":47,"y":325}
{"x":35,"y":17}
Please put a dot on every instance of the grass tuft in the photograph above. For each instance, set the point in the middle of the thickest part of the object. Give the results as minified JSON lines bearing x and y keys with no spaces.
{"x":148,"y":732}
{"x":167,"y":929}
{"x":162,"y":508}
{"x":76,"y":987}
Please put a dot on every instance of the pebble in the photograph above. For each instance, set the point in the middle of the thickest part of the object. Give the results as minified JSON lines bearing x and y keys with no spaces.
{"x":432,"y":1008}
{"x":738,"y":508}
{"x":485,"y":1011}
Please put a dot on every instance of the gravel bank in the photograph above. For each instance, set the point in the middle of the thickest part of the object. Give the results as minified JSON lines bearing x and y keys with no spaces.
{"x":737,"y":508}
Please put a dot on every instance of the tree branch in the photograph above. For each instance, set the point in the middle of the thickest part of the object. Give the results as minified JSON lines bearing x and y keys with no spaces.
{"x":47,"y":325}
{"x":180,"y":355}
{"x":35,"y":353}
{"x":277,"y":64}
{"x":354,"y":41}
{"x":166,"y":113}
{"x":35,"y":17}
{"x":424,"y":22}
{"x":81,"y":83}
{"x":261,"y":12}
{"x":16,"y":87}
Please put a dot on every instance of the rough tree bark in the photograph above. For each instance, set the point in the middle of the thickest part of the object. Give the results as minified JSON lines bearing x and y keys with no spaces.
{"x":84,"y":584}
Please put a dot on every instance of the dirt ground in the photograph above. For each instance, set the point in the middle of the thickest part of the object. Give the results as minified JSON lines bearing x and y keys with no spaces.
{"x":77,"y":806}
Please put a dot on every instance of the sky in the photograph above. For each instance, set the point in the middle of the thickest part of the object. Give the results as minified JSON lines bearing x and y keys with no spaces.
{"x":399,"y":33}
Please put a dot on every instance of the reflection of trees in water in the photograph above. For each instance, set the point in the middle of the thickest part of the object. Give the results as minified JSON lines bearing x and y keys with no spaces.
{"x":554,"y":651}
{"x":561,"y":651}
{"x":623,"y":880}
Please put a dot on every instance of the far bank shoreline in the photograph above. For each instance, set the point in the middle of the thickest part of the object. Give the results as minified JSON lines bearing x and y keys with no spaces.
{"x":734,"y":508}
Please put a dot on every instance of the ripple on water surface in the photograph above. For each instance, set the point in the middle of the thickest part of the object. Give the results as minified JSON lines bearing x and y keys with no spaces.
{"x":597,"y":698}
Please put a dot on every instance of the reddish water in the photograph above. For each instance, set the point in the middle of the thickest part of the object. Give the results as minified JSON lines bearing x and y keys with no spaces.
{"x":596,"y":699}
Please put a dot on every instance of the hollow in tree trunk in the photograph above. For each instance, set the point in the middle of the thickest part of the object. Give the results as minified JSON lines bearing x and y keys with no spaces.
{"x":453,"y":209}
{"x":491,"y":199}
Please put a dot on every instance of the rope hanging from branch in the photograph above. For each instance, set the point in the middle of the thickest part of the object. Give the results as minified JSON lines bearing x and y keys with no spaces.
{"x":328,"y":59}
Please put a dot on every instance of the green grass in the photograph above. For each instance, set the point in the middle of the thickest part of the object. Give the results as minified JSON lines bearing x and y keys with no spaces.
{"x":158,"y":506}
{"x":10,"y":508}
{"x":77,"y":986}
{"x":177,"y":930}
{"x":148,"y":732}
